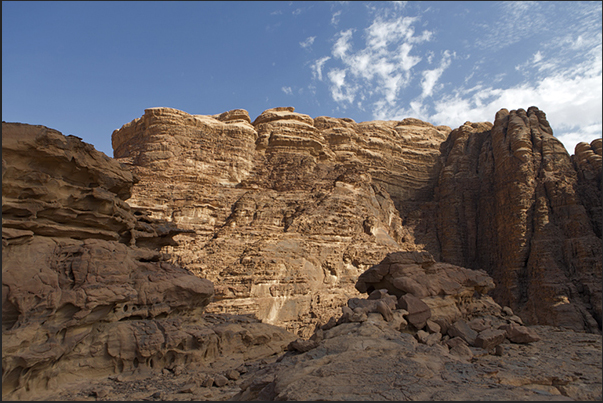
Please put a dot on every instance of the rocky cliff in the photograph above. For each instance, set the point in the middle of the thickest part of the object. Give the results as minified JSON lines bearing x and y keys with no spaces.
{"x":284,"y":213}
{"x":511,"y":201}
{"x":332,"y":229}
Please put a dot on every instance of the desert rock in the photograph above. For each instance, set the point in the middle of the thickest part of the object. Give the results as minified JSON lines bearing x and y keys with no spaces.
{"x":383,"y":251}
{"x":285,"y":212}
{"x":85,"y":292}
{"x":508,"y":203}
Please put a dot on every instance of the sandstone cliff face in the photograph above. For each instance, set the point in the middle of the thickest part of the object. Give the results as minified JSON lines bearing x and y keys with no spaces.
{"x":286,"y":211}
{"x":85,"y":292}
{"x":511,"y":202}
{"x":587,"y":161}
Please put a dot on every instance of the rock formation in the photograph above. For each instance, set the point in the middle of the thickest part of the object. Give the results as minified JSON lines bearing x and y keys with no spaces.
{"x":85,"y":293}
{"x":587,"y":161}
{"x":371,"y":355}
{"x":400,"y":261}
{"x":284,"y":213}
{"x":511,"y":202}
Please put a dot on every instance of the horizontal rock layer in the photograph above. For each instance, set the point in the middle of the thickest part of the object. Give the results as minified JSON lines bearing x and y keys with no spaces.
{"x":288,"y":210}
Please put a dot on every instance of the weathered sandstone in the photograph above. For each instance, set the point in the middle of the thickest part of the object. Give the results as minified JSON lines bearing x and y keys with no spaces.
{"x":85,"y":293}
{"x":511,"y":202}
{"x":285,"y":212}
{"x":387,"y":248}
{"x":588,"y":164}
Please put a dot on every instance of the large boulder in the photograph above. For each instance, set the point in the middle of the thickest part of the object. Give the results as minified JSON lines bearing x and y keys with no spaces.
{"x":432,"y":290}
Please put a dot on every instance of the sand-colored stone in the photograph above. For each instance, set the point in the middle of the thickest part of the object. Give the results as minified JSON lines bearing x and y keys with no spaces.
{"x":285,"y":212}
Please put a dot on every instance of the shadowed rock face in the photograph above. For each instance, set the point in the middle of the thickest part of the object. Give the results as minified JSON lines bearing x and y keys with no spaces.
{"x":587,"y":161}
{"x":287,"y":211}
{"x":85,"y":293}
{"x":511,"y":202}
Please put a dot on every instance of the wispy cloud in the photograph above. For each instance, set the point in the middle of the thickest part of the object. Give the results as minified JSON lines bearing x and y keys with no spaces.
{"x":382,"y":68}
{"x":571,"y":99}
{"x":308,"y":42}
{"x":431,"y":77}
{"x":518,"y":21}
{"x":339,"y":90}
{"x":395,"y":68}
{"x":342,"y":45}
{"x":335,"y":18}
{"x":317,"y":67}
{"x":287,"y":90}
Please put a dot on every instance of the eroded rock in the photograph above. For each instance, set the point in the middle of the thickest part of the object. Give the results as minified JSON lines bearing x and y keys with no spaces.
{"x":84,"y":291}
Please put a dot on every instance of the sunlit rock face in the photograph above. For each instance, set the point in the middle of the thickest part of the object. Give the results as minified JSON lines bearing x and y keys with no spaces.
{"x":286,"y":211}
{"x":511,"y":202}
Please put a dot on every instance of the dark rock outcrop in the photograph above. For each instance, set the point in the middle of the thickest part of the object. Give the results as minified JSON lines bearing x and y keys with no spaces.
{"x":511,"y":202}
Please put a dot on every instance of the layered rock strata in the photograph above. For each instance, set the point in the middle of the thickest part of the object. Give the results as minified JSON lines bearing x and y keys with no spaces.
{"x":85,"y":292}
{"x":511,"y":202}
{"x":288,"y":210}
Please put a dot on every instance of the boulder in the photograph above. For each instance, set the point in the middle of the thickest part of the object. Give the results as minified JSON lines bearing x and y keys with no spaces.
{"x":520,"y":334}
{"x":418,"y":311}
{"x":461,"y":329}
{"x":432,"y":327}
{"x":489,"y":338}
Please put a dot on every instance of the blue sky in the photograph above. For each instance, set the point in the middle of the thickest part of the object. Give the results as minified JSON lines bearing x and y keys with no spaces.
{"x":87,"y":68}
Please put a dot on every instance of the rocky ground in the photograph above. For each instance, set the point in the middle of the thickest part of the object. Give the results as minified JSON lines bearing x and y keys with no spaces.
{"x":369,"y":361}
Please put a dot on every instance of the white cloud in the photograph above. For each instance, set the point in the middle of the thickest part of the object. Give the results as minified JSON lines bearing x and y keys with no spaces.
{"x":391,"y":69}
{"x":308,"y":42}
{"x":297,"y":11}
{"x":317,"y":67}
{"x":571,"y":101}
{"x":342,"y":45}
{"x":337,"y":77}
{"x":339,"y":91}
{"x":518,"y":20}
{"x":287,"y":90}
{"x":382,"y":68}
{"x":431,"y":77}
{"x":381,"y":33}
{"x":335,"y":18}
{"x":407,"y":61}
